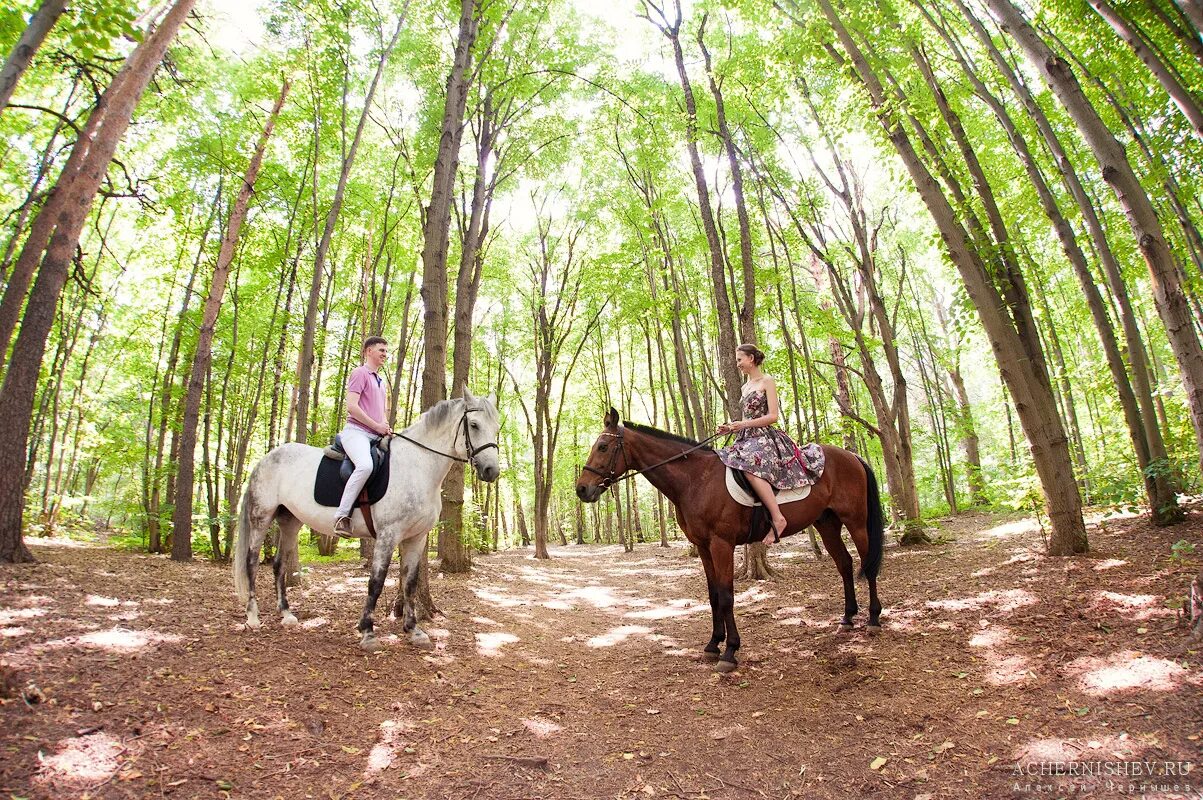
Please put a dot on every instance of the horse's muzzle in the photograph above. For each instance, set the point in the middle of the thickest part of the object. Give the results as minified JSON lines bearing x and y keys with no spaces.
{"x":488,"y":474}
{"x":588,"y":494}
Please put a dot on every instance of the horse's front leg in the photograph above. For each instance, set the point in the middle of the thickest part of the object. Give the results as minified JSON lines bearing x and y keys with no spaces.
{"x":382,"y":556}
{"x":718,"y":628}
{"x":413,"y":550}
{"x":722,"y":554}
{"x":290,"y":528}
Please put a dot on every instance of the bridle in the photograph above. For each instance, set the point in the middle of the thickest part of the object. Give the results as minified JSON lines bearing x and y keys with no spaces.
{"x":472,"y":452}
{"x":610,"y":477}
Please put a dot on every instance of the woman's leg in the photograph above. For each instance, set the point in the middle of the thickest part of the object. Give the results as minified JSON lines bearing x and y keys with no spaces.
{"x":765,"y":492}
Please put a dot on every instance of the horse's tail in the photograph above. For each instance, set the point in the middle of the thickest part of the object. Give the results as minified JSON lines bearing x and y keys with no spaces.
{"x":242,"y":542}
{"x":871,"y":563}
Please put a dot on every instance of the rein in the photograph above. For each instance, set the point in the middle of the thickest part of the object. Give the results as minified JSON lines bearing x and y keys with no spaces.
{"x":471,"y":451}
{"x":610,"y":478}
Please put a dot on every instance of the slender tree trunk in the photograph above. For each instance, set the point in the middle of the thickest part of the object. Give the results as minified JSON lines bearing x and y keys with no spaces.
{"x":1168,"y":292}
{"x":31,"y":39}
{"x":308,"y":334}
{"x":1181,"y":96}
{"x":97,"y":143}
{"x":1026,"y":379}
{"x":181,"y":546}
{"x":726,"y":330}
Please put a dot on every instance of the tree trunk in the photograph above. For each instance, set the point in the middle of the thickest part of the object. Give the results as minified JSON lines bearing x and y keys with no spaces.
{"x":31,"y":39}
{"x":181,"y":546}
{"x":1178,"y":93}
{"x":97,"y":146}
{"x":454,"y":555}
{"x":1136,"y":396}
{"x":309,"y":332}
{"x":747,"y":311}
{"x":722,"y":302}
{"x":1168,"y":292}
{"x":1026,"y":380}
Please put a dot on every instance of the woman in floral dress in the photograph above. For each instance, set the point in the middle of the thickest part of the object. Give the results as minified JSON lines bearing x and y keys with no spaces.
{"x":764,"y":452}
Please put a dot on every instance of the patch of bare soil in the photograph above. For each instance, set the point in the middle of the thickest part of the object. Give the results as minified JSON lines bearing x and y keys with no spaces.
{"x":132,"y":676}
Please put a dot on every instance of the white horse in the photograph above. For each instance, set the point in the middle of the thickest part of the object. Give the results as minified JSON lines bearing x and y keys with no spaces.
{"x":281,"y":488}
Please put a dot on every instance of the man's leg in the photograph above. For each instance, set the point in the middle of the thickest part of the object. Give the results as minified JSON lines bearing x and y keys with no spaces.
{"x":358,"y":446}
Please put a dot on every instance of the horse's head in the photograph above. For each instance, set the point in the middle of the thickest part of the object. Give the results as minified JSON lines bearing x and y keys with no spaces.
{"x":607,"y":460}
{"x":480,"y":425}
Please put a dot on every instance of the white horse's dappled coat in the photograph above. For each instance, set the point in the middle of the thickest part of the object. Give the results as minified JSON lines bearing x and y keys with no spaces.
{"x":280,"y":489}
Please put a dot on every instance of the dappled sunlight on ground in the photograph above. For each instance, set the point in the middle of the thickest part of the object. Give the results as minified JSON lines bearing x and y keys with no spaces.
{"x":11,"y":615}
{"x":1103,"y":746}
{"x":1006,"y":667}
{"x":1135,"y":607}
{"x":82,"y":761}
{"x":316,"y":622}
{"x":1005,"y":600}
{"x":384,"y":753}
{"x":541,"y":728}
{"x":60,"y":542}
{"x":489,"y":644}
{"x":678,"y":607}
{"x":1127,"y":670}
{"x":1010,"y":529}
{"x":1109,"y":563}
{"x":617,"y":635}
{"x":123,"y":640}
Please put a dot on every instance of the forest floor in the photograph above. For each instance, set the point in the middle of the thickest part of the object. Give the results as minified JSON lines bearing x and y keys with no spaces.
{"x":127,"y":675}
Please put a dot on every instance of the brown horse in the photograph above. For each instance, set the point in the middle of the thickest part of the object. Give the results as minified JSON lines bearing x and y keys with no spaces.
{"x":691,"y":475}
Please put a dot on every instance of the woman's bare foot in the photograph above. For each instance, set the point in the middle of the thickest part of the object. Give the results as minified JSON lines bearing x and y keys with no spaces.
{"x":774,"y":535}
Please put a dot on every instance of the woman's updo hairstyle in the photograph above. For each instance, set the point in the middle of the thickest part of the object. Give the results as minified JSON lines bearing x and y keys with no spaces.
{"x":753,"y":352}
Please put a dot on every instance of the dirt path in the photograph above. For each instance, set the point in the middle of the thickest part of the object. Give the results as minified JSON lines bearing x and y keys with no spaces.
{"x":131,"y":676}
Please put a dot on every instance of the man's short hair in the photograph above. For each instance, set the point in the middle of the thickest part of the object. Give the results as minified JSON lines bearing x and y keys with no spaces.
{"x":372,"y":341}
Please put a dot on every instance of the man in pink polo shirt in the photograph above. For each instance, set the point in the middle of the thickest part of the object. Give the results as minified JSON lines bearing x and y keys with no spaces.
{"x":366,"y":398}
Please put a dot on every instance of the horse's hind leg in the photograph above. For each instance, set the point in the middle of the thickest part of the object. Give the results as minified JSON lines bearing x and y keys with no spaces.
{"x":828,"y":525}
{"x":413,"y":550}
{"x":860,"y":538}
{"x":290,"y":528}
{"x":382,"y":556}
{"x":718,"y":632}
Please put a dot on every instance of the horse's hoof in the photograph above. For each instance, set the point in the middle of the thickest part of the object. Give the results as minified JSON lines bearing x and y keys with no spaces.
{"x":370,"y":644}
{"x":288,"y":620}
{"x":709,"y":657}
{"x":844,"y":627}
{"x":253,"y":624}
{"x":422,"y":642}
{"x":873,"y":629}
{"x":726,"y":666}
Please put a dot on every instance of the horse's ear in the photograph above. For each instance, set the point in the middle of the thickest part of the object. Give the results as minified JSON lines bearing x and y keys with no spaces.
{"x":612,"y":418}
{"x":491,"y":400}
{"x":468,"y":398}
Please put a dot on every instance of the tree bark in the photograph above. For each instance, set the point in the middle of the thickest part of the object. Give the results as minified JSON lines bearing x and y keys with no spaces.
{"x":1036,"y":406}
{"x":308,"y":333}
{"x":181,"y":545}
{"x":113,"y":114}
{"x":726,"y":330}
{"x":1181,"y":96}
{"x":747,"y":311}
{"x":1168,"y":292}
{"x":31,"y":39}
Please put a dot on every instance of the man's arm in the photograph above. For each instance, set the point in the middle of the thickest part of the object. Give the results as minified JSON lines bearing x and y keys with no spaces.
{"x":359,"y":415}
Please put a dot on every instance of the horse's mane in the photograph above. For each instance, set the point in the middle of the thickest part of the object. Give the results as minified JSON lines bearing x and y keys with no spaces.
{"x":659,"y":434}
{"x":441,"y":412}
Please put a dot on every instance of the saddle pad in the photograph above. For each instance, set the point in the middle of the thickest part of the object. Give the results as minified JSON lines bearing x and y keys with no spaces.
{"x":745,"y":498}
{"x":328,"y":486}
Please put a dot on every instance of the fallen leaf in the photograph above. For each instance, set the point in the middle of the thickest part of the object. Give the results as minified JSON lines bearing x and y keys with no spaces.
{"x":878,"y":763}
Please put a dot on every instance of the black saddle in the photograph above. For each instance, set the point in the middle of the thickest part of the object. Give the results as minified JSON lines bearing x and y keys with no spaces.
{"x":335,"y":468}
